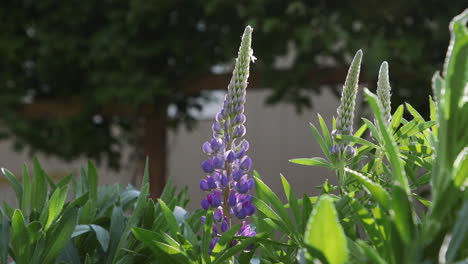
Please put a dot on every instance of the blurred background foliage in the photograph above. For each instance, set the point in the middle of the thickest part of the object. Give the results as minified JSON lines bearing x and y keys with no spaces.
{"x":97,"y":53}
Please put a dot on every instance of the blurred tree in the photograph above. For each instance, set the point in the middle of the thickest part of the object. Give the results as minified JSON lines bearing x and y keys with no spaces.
{"x":83,"y":77}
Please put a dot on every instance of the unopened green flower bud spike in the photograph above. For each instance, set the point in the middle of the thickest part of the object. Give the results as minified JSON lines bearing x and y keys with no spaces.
{"x":383,"y":91}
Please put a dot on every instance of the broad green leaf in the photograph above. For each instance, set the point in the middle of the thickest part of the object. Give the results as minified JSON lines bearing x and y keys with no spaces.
{"x":26,"y":200}
{"x":170,"y":218}
{"x":4,"y":236}
{"x":80,"y":229}
{"x":60,"y":234}
{"x":20,"y":238}
{"x":56,"y":203}
{"x":102,"y":236}
{"x":14,"y":184}
{"x":322,"y":225}
{"x":93,"y":181}
{"x":40,"y":190}
{"x":117,"y":227}
{"x":312,"y":162}
{"x":132,"y":221}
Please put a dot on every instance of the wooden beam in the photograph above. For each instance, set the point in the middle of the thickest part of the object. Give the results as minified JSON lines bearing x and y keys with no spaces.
{"x":50,"y":109}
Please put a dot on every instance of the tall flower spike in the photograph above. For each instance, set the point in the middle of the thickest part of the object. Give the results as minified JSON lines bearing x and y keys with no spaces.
{"x":344,"y":122}
{"x":383,"y":91}
{"x":228,"y":167}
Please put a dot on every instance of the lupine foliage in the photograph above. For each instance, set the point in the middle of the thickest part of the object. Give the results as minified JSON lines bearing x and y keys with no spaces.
{"x":377,"y":214}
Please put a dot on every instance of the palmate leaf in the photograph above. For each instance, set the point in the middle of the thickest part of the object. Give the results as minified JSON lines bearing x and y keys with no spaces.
{"x":322,"y":225}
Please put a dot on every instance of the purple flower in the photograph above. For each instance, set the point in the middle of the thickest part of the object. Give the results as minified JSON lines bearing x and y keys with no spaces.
{"x":228,"y":166}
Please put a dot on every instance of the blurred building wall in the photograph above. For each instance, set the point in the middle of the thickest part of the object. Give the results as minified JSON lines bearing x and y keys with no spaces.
{"x":276,"y":134}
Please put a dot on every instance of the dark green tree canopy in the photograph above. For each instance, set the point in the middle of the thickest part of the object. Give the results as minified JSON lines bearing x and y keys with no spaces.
{"x":98,"y":53}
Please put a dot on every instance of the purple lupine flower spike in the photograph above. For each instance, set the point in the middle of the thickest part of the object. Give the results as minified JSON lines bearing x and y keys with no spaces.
{"x":228,"y":167}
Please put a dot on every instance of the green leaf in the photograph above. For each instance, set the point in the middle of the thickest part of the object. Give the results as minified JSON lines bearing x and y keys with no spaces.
{"x":206,"y":238}
{"x":459,"y":234}
{"x":377,"y":191}
{"x":276,"y":203}
{"x":396,"y":119}
{"x":357,"y":140}
{"x":56,"y":205}
{"x":292,"y":199}
{"x":4,"y":236}
{"x":93,"y":181}
{"x":172,"y":251}
{"x":116,"y":231}
{"x":60,"y":234}
{"x":40,"y":191}
{"x":321,"y":141}
{"x":26,"y":200}
{"x":312,"y":162}
{"x":102,"y":236}
{"x":460,"y":169}
{"x":324,"y":224}
{"x":170,"y":218}
{"x":133,"y":221}
{"x":20,"y":238}
{"x":455,"y":66}
{"x":391,"y":149}
{"x":15,"y":184}
{"x":325,"y":131}
{"x":226,"y":254}
{"x":228,"y":235}
{"x":403,"y":213}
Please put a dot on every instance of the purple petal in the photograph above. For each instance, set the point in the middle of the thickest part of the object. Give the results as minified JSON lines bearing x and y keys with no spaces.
{"x":246,"y":163}
{"x":204,"y":185}
{"x":211,"y":183}
{"x":208,"y":166}
{"x":205,"y":204}
{"x":232,"y":200}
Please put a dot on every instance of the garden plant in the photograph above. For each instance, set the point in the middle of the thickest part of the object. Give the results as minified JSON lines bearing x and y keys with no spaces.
{"x":376,"y":213}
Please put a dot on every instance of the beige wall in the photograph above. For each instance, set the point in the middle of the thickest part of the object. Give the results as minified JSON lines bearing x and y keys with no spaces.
{"x":276,"y":134}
